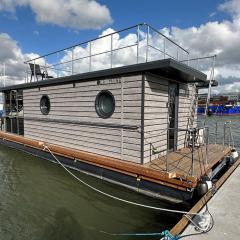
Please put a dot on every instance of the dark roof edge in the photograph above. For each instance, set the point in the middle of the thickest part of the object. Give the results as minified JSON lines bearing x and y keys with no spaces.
{"x":206,"y":84}
{"x":141,"y":67}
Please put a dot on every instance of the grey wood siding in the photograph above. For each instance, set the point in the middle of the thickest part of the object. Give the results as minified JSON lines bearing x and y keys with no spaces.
{"x":77,"y":103}
{"x":155,"y":115}
{"x":186,"y":111}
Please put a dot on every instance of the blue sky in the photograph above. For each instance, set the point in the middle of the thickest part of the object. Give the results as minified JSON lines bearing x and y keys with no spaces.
{"x":30,"y":27}
{"x":41,"y":38}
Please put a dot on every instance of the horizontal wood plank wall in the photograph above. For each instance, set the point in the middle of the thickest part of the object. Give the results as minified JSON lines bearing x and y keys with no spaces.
{"x":186,"y":111}
{"x":155,"y":115}
{"x":77,"y":103}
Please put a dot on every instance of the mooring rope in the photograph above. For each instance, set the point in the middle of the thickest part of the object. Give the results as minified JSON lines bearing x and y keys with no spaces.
{"x":165,"y":234}
{"x":114,"y":197}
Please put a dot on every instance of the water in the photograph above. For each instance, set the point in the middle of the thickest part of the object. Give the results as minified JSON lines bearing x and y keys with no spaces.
{"x":211,"y":123}
{"x":39,"y":200}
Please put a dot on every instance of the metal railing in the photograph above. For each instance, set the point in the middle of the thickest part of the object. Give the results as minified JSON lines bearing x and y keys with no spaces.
{"x":136,"y":44}
{"x":222,"y":133}
{"x":194,"y":139}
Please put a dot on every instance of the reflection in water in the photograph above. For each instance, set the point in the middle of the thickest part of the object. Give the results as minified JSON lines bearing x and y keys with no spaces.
{"x":65,"y":226}
{"x":39,"y":200}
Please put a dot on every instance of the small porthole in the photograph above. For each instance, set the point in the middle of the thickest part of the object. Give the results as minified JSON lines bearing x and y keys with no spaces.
{"x":105,"y":104}
{"x":45,"y":105}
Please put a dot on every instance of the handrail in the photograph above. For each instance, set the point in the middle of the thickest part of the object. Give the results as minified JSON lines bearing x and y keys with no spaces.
{"x":143,"y":49}
{"x":193,"y":142}
{"x":82,"y":43}
{"x":94,"y":39}
{"x":168,"y":39}
{"x":198,"y":58}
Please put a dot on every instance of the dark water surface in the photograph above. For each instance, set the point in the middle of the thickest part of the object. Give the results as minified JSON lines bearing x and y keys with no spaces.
{"x":39,"y":200}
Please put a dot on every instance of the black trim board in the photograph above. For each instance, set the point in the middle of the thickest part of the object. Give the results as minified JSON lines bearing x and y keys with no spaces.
{"x":111,"y":125}
{"x":166,"y":68}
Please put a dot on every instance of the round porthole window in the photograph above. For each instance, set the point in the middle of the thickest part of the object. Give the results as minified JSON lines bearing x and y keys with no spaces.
{"x":105,"y":104}
{"x":45,"y":105}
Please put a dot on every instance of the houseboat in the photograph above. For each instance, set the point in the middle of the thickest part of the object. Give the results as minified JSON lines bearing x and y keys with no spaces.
{"x":123,"y":111}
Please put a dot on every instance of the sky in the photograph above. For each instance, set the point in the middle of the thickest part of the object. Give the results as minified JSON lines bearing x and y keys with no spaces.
{"x":29,"y":28}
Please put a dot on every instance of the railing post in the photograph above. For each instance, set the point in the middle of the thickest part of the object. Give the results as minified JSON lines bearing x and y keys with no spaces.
{"x":111,"y":50}
{"x":207,"y":142}
{"x":72,"y":59}
{"x":164,"y":48}
{"x":45,"y":68}
{"x":138,"y":44}
{"x":167,"y":149}
{"x":193,"y":138}
{"x":34,"y":69}
{"x":26,"y":75}
{"x":90,"y":56}
{"x":57,"y":62}
{"x":147,"y":43}
{"x":4,"y":74}
{"x":216,"y":129}
{"x":229,"y":134}
{"x":232,"y":140}
{"x":224,"y":133}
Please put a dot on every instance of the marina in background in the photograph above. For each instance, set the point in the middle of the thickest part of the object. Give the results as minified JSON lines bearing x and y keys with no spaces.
{"x":220,"y":104}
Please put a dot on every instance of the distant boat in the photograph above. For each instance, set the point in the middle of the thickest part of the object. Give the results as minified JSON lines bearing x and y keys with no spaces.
{"x":220,"y":110}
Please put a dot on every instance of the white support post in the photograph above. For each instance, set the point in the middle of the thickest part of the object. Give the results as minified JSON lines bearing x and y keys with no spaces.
{"x":72,"y":59}
{"x":4,"y":74}
{"x":164,"y":48}
{"x":90,"y":56}
{"x":111,"y":50}
{"x":138,"y":44}
{"x":147,"y":43}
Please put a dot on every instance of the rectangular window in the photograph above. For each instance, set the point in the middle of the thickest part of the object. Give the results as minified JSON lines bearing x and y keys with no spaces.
{"x":12,"y":119}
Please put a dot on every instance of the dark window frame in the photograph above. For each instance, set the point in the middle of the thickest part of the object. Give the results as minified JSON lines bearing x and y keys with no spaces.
{"x":98,"y":108}
{"x":49,"y":107}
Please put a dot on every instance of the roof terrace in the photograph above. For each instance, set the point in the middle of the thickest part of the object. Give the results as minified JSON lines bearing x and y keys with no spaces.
{"x":133,"y":45}
{"x":139,"y":47}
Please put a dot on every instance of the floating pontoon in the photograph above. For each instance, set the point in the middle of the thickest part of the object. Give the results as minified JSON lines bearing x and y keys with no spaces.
{"x":121,"y":107}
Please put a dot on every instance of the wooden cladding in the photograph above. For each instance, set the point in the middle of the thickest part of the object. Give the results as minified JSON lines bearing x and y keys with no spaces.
{"x":73,"y":120}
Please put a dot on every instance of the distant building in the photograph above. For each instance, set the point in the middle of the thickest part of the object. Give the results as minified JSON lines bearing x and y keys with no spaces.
{"x":229,"y":98}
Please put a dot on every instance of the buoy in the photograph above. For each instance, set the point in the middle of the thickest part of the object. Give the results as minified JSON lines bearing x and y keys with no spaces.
{"x":204,"y":185}
{"x":234,"y":153}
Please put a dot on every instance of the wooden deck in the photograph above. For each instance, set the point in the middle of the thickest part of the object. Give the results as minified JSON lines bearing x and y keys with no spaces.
{"x":180,"y":162}
{"x":178,"y":175}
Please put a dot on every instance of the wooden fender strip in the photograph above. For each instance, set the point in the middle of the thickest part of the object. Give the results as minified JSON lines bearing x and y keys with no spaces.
{"x":107,"y":162}
{"x":181,"y":225}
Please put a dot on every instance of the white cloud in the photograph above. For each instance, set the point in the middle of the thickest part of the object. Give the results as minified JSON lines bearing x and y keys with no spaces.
{"x":12,"y":57}
{"x":76,"y":14}
{"x":221,"y":38}
{"x":233,"y":7}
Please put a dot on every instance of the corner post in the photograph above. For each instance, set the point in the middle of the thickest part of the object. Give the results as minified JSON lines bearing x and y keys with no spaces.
{"x":142,"y":116}
{"x":147,"y":43}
